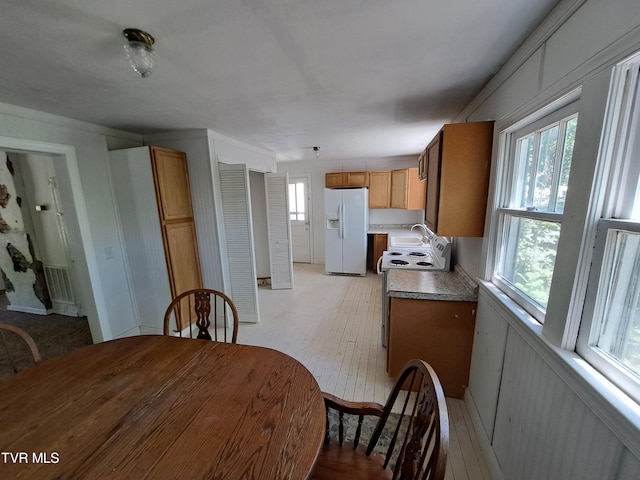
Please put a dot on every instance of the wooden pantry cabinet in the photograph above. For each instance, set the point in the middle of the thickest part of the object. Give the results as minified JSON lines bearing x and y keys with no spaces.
{"x":456,"y":166}
{"x":346,"y":179}
{"x":154,"y":205}
{"x":407,"y":191}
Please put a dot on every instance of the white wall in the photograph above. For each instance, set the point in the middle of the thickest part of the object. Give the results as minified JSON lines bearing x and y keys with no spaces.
{"x":539,"y":410}
{"x":317,"y":169}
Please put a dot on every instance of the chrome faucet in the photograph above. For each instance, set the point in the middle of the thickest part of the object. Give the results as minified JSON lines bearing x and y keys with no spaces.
{"x":425,"y":232}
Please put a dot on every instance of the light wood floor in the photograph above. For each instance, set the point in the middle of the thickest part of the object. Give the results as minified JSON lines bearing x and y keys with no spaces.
{"x":331,"y":324}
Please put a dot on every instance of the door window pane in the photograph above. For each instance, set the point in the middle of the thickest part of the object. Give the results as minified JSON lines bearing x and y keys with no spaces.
{"x":296,"y":201}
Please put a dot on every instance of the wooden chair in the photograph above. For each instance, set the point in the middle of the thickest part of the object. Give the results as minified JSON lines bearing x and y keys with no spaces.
{"x":10,"y":351}
{"x":418,"y":444}
{"x":198,"y":308}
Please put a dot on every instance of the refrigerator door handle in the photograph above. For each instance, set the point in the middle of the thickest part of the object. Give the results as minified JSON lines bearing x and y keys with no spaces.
{"x":342,"y":219}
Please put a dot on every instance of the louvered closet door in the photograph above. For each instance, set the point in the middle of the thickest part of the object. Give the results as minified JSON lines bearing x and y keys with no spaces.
{"x":173,"y":195}
{"x":236,"y":212}
{"x":279,"y":231}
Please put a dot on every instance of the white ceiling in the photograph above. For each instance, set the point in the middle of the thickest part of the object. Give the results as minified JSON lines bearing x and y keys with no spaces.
{"x":359,"y":78}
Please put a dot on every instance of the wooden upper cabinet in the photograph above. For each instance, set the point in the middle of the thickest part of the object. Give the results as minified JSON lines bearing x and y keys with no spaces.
{"x":458,"y":168}
{"x":357,"y":179}
{"x":379,"y":189}
{"x":407,"y":191}
{"x":335,"y":180}
{"x":346,"y":179}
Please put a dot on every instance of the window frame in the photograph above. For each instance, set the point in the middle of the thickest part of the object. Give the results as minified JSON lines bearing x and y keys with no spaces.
{"x":562,"y":111}
{"x":590,"y":325}
{"x":621,"y":144}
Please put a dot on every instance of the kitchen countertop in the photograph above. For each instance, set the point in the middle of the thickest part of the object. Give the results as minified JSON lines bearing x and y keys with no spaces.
{"x":389,"y":229}
{"x":454,"y":286}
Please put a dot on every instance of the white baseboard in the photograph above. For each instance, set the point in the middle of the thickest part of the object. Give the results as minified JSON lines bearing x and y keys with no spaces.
{"x":485,"y":443}
{"x":145,"y":330}
{"x":132,"y":332}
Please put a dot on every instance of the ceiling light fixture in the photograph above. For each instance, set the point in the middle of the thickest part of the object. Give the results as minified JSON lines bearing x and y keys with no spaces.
{"x":316,"y":151}
{"x":140,"y":52}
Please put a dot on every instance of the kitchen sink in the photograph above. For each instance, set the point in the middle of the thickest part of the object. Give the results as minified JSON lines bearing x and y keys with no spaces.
{"x":407,"y":242}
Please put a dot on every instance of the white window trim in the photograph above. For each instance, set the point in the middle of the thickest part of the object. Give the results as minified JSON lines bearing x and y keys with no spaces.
{"x":565,"y":107}
{"x":615,"y":163}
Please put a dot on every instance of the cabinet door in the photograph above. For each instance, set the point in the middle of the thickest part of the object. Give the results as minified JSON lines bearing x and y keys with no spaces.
{"x":379,"y":246}
{"x":172,"y":184}
{"x":358,"y":179}
{"x":438,"y":332}
{"x":399,"y":183}
{"x":464,"y":178}
{"x":407,"y":191}
{"x":416,"y":190}
{"x":434,"y":156}
{"x":335,"y":180}
{"x":379,"y":189}
{"x":182,"y":259}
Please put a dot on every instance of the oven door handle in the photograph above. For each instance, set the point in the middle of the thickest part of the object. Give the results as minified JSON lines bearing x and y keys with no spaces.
{"x":379,"y":266}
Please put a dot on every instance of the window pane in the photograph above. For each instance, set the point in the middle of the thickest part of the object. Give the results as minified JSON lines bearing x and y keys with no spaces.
{"x":528,"y":256}
{"x":542,"y":166}
{"x":619,"y":335}
{"x":565,"y":167}
{"x":522,"y":185}
{"x":300,"y":200}
{"x":545,"y":168}
{"x":292,"y":199}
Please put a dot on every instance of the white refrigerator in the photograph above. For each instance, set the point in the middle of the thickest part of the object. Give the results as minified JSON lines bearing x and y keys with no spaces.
{"x":346,"y":225}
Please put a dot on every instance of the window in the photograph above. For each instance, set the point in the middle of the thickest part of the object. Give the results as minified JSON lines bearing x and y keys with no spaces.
{"x":609,"y":336}
{"x":536,"y":172}
{"x":296,"y":201}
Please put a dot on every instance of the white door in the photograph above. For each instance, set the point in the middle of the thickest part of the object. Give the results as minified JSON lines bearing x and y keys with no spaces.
{"x":279,"y":231}
{"x":236,"y":213}
{"x":299,"y":212}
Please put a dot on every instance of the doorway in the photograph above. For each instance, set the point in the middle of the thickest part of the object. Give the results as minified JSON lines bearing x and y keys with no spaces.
{"x":85,"y":265}
{"x":300,"y":215}
{"x":39,"y":219}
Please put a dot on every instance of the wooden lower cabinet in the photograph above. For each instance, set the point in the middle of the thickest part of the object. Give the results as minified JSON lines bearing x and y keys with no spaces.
{"x":379,"y":246}
{"x":438,"y":332}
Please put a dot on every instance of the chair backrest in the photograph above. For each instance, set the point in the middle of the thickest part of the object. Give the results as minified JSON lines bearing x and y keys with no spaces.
{"x":202,"y":308}
{"x":11,"y":347}
{"x":419,"y":445}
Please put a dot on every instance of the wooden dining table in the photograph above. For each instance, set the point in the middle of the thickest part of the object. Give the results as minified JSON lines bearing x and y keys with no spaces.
{"x":159,"y":407}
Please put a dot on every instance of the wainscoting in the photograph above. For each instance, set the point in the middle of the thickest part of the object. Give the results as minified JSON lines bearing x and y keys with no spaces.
{"x":536,"y":418}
